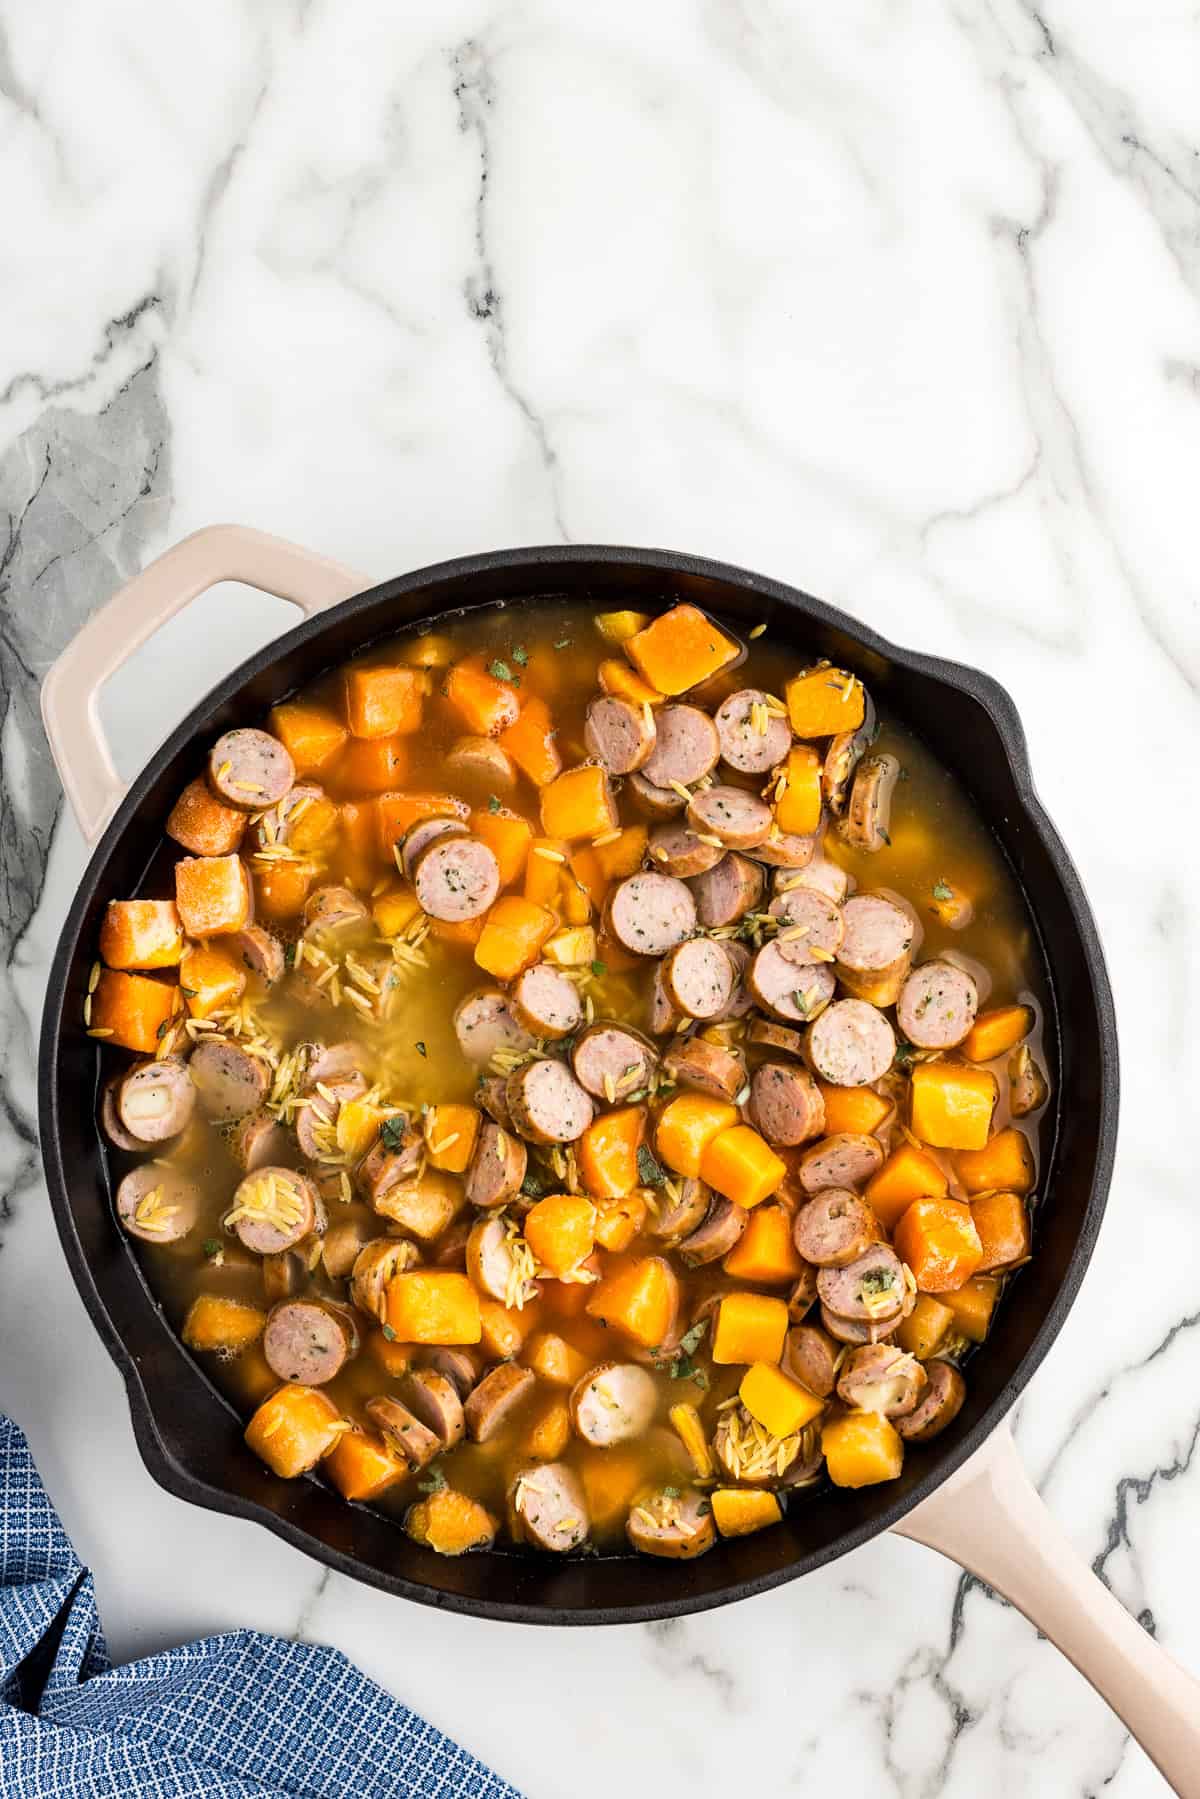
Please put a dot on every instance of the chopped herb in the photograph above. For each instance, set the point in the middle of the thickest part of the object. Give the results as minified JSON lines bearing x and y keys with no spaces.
{"x":681,"y":1365}
{"x":564,"y":645}
{"x":391,"y":1133}
{"x":905,"y":1052}
{"x":500,"y":670}
{"x":703,"y":1508}
{"x":421,"y":1049}
{"x":289,"y":956}
{"x":599,"y":968}
{"x":800,"y":999}
{"x":878,"y":1280}
{"x":670,"y":1492}
{"x":649,"y":1172}
{"x":212,"y":1246}
{"x":493,"y":803}
{"x":520,"y":654}
{"x":533,"y":1188}
{"x":165,"y":1026}
{"x":942,"y":890}
{"x":389,"y":1333}
{"x":434,"y":1481}
{"x":885,"y":836}
{"x":692,"y":1339}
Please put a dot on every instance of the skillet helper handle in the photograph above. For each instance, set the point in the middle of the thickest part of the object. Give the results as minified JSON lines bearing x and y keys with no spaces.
{"x":203,"y":560}
{"x":989,"y":1518}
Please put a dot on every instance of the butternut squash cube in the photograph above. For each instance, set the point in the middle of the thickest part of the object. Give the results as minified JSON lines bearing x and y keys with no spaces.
{"x":293,"y":1429}
{"x":1005,"y":1162}
{"x":311,"y":735}
{"x":765,"y":1252}
{"x":679,"y":650}
{"x":384,"y":702}
{"x":798,"y":806}
{"x":823,"y":702}
{"x":561,"y":1231}
{"x":212,"y":894}
{"x":202,"y":824}
{"x":737,"y":1511}
{"x":641,"y":1300}
{"x":555,"y":1360}
{"x":361,"y":1466}
{"x":451,"y":1523}
{"x":226,"y":1325}
{"x":1002,"y":1221}
{"x":742,"y":1165}
{"x":952,"y":1104}
{"x":780,"y":1404}
{"x":209,"y":980}
{"x":504,"y":1330}
{"x":973,"y":1305}
{"x":908,"y":1174}
{"x":579,"y":803}
{"x":450,"y":1133}
{"x":996,"y":1032}
{"x":923,"y":1331}
{"x":686,"y":1125}
{"x":512,"y":936}
{"x":132,"y":1010}
{"x":861,"y":1448}
{"x":141,"y":934}
{"x":433,"y":1305}
{"x":750,"y":1327}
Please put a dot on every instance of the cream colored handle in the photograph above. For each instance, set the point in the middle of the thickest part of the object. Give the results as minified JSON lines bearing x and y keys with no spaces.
{"x":71,"y":689}
{"x":988,"y":1518}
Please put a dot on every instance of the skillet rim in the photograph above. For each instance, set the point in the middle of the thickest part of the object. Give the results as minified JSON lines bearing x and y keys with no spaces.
{"x":982,"y":688}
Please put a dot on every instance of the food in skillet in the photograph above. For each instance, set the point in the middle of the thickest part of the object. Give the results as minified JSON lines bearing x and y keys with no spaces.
{"x":570,"y":1104}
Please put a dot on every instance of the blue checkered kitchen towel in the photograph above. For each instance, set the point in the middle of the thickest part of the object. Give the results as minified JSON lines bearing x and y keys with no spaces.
{"x":241,"y":1716}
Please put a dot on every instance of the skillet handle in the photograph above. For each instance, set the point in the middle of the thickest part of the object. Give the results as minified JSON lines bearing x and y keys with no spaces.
{"x":218,"y":553}
{"x":989,"y":1518}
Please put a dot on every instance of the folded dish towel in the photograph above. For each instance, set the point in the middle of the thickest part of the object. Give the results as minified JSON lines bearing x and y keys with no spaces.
{"x":240,"y":1716}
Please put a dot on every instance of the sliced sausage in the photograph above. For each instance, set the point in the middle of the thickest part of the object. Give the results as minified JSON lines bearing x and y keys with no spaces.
{"x":414,"y":1443}
{"x":652,"y":801}
{"x":450,"y":1249}
{"x":393,"y":1158}
{"x":613,"y":1403}
{"x":335,"y":1061}
{"x":698,"y":978}
{"x":547,"y":1103}
{"x":676,"y":850}
{"x":490,"y":1095}
{"x":650,"y":913}
{"x":305,"y":1342}
{"x":260,"y":952}
{"x":611,"y":1061}
{"x":876,"y":950}
{"x":854,"y":1331}
{"x":496,"y":1398}
{"x":418,"y":838}
{"x":678,"y":1218}
{"x":375,"y":1266}
{"x":753,"y":730}
{"x":786,"y":851}
{"x":727,"y":891}
{"x":283,"y":1275}
{"x":345,"y":1240}
{"x":847,"y":1159}
{"x":433,"y":1398}
{"x":274,"y":1209}
{"x":159,"y":1205}
{"x":843,"y":756}
{"x":259,"y":1140}
{"x":937,"y":1005}
{"x":456,"y":878}
{"x":620,"y":735}
{"x":479,"y":764}
{"x":776,"y":1037}
{"x":548,"y":1508}
{"x":546,"y":1001}
{"x":110,"y":1119}
{"x":276,"y":826}
{"x":786,"y":1104}
{"x":793,"y":994}
{"x":810,"y":1356}
{"x":229,"y":1081}
{"x":674,"y":1524}
{"x":315,"y":1116}
{"x":937,"y":1407}
{"x":492,"y":1262}
{"x":803,"y":1295}
{"x":742,"y":999}
{"x":663,"y":1016}
{"x":834,"y":1228}
{"x":1028,"y":1087}
{"x":881,"y":1378}
{"x":749,"y":1453}
{"x":852,"y":1044}
{"x":869,"y":1290}
{"x":459,"y":1366}
{"x":868,"y":814}
{"x":484,"y":1022}
{"x":811,"y":927}
{"x":331,"y":908}
{"x":686,"y":747}
{"x":155,"y":1101}
{"x":706,"y":1067}
{"x":738,"y":819}
{"x":821,"y":876}
{"x":723,"y":1225}
{"x":497,"y":1167}
{"x":250,"y":770}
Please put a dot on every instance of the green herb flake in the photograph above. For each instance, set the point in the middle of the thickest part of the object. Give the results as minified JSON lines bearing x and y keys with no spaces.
{"x":434,"y":1482}
{"x":520,"y":654}
{"x":289,"y":956}
{"x":670,"y":1492}
{"x":564,"y":645}
{"x":421,"y":1049}
{"x":649,"y":1172}
{"x":942,"y":890}
{"x":493,"y":803}
{"x":599,"y":968}
{"x":389,"y":1333}
{"x":500,"y":670}
{"x":533,"y":1188}
{"x":212,"y":1247}
{"x":391,"y":1133}
{"x":905,"y":1055}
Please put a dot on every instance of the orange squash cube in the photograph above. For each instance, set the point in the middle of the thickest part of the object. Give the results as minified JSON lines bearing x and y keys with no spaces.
{"x":433,"y":1305}
{"x":555,"y":1360}
{"x":737,"y":1511}
{"x":861,"y":1449}
{"x":686,"y":1125}
{"x":370,"y":765}
{"x":508,"y":836}
{"x":952,"y":1104}
{"x":781,"y":1405}
{"x":396,"y":813}
{"x":361,"y":1466}
{"x":512,"y":937}
{"x":384,"y":702}
{"x":624,"y":855}
{"x":858,"y":1110}
{"x":1005,"y":1163}
{"x":620,"y":1221}
{"x":823,"y":702}
{"x":141,"y":934}
{"x":201,"y":823}
{"x":742,"y":1165}
{"x":544,"y":867}
{"x":973,"y":1305}
{"x":450,"y":1523}
{"x":531,"y":743}
{"x":765,"y":1252}
{"x":640,"y":1300}
{"x":132,"y":1010}
{"x":486,"y":704}
{"x":798,"y":807}
{"x":924,"y":1330}
{"x":212,"y":894}
{"x":504,"y":1329}
{"x":311,"y":735}
{"x":616,"y":677}
{"x":227,"y":1326}
{"x":996,"y":1032}
{"x":908,"y":1174}
{"x":209,"y":980}
{"x":579,"y":804}
{"x":281,"y":888}
{"x":450,"y":1133}
{"x":1003,"y":1225}
{"x":938,"y":1240}
{"x":750,"y":1327}
{"x":679,"y":650}
{"x":550,"y":1431}
{"x":561,"y":1231}
{"x":608,"y":1152}
{"x":293,"y":1429}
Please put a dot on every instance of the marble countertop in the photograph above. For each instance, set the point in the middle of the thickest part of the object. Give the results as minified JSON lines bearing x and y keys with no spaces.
{"x":897,"y":303}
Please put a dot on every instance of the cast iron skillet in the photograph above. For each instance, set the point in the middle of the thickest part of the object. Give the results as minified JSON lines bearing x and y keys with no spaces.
{"x":965,"y":1494}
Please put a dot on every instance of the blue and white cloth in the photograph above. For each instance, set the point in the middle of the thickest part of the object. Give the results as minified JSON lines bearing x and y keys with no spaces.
{"x":240,"y":1716}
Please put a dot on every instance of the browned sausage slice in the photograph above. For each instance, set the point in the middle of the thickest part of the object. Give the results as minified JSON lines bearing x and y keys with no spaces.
{"x":277,"y":825}
{"x":283,"y":1275}
{"x":620,"y":735}
{"x":843,"y":756}
{"x":786,"y":1104}
{"x":803,"y":1295}
{"x":686,"y":747}
{"x":678,"y":1218}
{"x":459,"y":1366}
{"x":852,"y":1044}
{"x":304,"y":1342}
{"x":734,"y":817}
{"x":412,"y":1441}
{"x":715,"y":1237}
{"x":868,"y":813}
{"x":547,"y":1103}
{"x":810,"y":1356}
{"x":316,"y":1114}
{"x":869,"y":1290}
{"x":484,"y":1022}
{"x":793,"y":994}
{"x":419,"y":837}
{"x":496,"y":1398}
{"x":393,"y":1158}
{"x":490,"y":1095}
{"x":497,"y":1167}
{"x":876,"y":949}
{"x":334,"y":1061}
{"x":706,"y":1067}
{"x":1028,"y":1087}
{"x":810,"y":927}
{"x":748,"y":1453}
{"x":613,"y":1403}
{"x":654,"y":802}
{"x":937,"y":1005}
{"x":376,"y":1264}
{"x":345,"y":1240}
{"x":854,"y":1332}
{"x":331,"y":908}
{"x":663,"y":1016}
{"x":834,"y":1228}
{"x":786,"y":851}
{"x":110,"y":1119}
{"x":753,"y":730}
{"x":676,"y":850}
{"x":259,"y":1140}
{"x":456,"y":878}
{"x":492,"y":1262}
{"x":881,"y":1378}
{"x":250,"y":769}
{"x":846,"y":1159}
{"x":728,"y":891}
{"x":611,"y":1061}
{"x":698,"y":978}
{"x":229,"y":1081}
{"x":776,"y":1037}
{"x":159,"y":1205}
{"x":155,"y":1101}
{"x":546,"y":1001}
{"x":938,"y":1406}
{"x":260,"y":952}
{"x":821,"y":876}
{"x":548,"y":1508}
{"x":742,"y":999}
{"x":676,"y":1524}
{"x":650,"y":913}
{"x":274,"y":1209}
{"x":481,"y":766}
{"x":433,"y":1398}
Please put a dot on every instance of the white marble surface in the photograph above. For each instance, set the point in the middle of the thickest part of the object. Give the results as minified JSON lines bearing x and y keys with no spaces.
{"x":897,"y":302}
